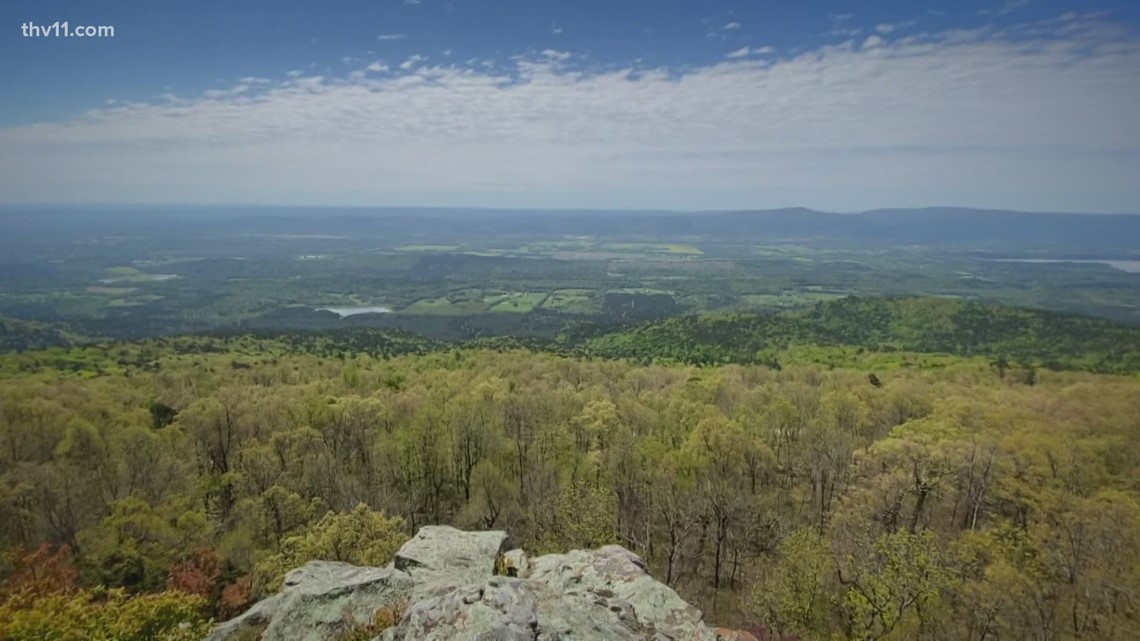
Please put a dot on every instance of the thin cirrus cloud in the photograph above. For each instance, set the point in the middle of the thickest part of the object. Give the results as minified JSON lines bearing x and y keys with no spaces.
{"x":1035,"y":116}
{"x":749,"y":51}
{"x":890,"y":28}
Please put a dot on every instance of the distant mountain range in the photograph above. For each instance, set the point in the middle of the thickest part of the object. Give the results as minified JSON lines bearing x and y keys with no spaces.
{"x":1097,"y":234}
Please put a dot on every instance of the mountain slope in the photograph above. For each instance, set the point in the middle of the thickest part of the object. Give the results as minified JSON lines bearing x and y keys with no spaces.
{"x":18,"y":336}
{"x":930,"y":325}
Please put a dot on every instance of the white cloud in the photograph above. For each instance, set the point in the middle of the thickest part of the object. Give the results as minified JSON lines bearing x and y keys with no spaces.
{"x":1042,"y":117}
{"x":888,"y":28}
{"x":411,"y":62}
{"x":555,"y":29}
{"x":873,"y":41}
{"x":377,"y":67}
{"x":293,"y":73}
{"x":738,"y":53}
{"x":763,"y":51}
{"x":213,"y":94}
{"x":390,"y":36}
{"x":731,"y":26}
{"x":553,"y":54}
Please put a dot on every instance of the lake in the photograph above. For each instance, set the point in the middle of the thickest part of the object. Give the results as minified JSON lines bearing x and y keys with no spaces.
{"x":1130,"y":266}
{"x":353,"y":311}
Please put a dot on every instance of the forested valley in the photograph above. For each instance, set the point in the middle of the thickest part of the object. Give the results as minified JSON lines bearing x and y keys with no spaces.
{"x":148,"y":488}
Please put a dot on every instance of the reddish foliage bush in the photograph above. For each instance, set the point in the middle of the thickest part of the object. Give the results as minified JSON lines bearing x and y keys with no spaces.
{"x":235,"y":598}
{"x":198,"y":574}
{"x":40,"y":572}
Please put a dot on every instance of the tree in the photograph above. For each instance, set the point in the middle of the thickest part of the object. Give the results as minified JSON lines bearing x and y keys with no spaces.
{"x":583,"y":516}
{"x":793,"y":595}
{"x":494,"y":500}
{"x":106,"y":616}
{"x":135,"y":546}
{"x":361,"y":536}
{"x":891,"y":581}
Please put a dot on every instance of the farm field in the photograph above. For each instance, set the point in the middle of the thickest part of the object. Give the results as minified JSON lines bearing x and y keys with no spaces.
{"x":518,"y":302}
{"x":498,"y":276}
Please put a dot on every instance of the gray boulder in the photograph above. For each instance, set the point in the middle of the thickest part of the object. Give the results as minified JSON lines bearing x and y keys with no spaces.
{"x":443,"y":554}
{"x":319,"y":601}
{"x":443,"y":581}
{"x":499,"y":608}
{"x":607,"y":594}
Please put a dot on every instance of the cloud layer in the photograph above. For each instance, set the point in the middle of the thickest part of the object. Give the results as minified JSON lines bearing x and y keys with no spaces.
{"x":1040,"y":116}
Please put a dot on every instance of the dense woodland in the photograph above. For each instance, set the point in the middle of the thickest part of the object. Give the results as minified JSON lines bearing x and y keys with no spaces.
{"x":928,"y":325}
{"x":849,"y":331}
{"x":898,"y":496}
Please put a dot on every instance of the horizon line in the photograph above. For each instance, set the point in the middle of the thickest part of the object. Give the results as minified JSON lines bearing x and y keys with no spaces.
{"x":522,"y":209}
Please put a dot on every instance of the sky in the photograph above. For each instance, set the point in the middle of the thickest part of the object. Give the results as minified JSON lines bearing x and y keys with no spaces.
{"x":644,"y":104}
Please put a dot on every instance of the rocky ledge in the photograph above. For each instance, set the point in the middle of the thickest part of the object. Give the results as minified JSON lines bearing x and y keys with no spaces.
{"x":446,"y":584}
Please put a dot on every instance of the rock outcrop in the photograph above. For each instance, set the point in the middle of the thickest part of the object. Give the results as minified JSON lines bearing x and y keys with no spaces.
{"x":446,"y":584}
{"x":319,"y":601}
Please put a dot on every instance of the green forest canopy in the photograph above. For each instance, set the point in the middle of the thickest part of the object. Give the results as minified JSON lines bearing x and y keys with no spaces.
{"x":833,"y":332}
{"x":175,"y":480}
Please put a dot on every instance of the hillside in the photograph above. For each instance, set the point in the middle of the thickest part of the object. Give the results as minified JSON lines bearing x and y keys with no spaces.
{"x":929,"y":325}
{"x":16,"y":336}
{"x":832,"y":332}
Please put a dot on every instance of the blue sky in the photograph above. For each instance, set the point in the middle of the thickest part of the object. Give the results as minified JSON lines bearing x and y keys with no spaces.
{"x":1028,"y":104}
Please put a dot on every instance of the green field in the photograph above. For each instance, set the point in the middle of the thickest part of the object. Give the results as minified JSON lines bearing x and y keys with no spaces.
{"x":519,"y":302}
{"x":124,"y":274}
{"x":667,"y":248}
{"x":110,"y":291}
{"x":466,"y":302}
{"x":788,"y":299}
{"x":648,"y":291}
{"x":570,"y":300}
